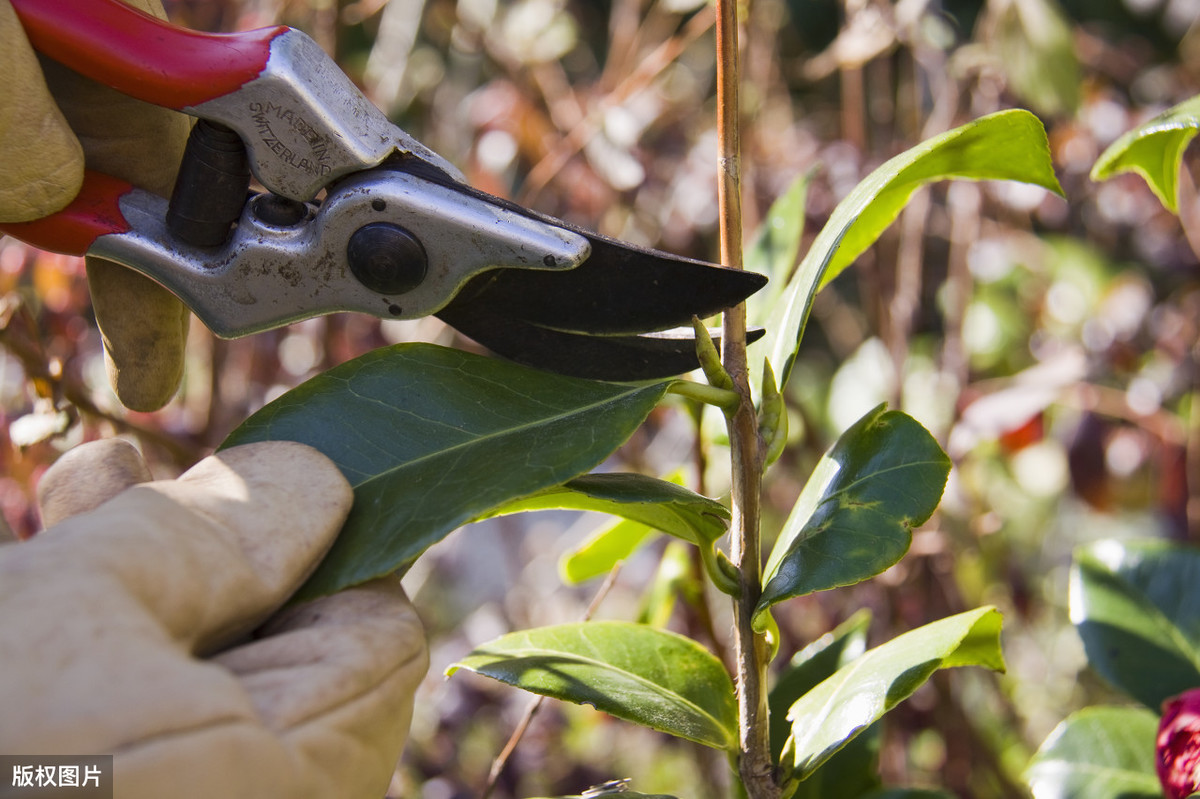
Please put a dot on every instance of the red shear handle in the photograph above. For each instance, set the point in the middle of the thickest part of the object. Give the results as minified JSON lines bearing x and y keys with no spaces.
{"x":141,"y":56}
{"x":94,"y":212}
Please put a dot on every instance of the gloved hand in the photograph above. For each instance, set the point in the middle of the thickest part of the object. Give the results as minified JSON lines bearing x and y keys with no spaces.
{"x":51,"y":121}
{"x":136,"y":627}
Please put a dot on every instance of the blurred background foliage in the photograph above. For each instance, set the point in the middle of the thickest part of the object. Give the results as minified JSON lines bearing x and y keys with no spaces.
{"x":1050,"y":346}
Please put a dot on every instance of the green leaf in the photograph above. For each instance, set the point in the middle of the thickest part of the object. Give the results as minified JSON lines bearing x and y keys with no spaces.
{"x":909,"y":793}
{"x":810,"y":667}
{"x":618,"y":792}
{"x":1136,"y":605}
{"x":1154,"y":151}
{"x":431,"y":438}
{"x":858,"y":694}
{"x":651,"y":677}
{"x":1098,"y":753}
{"x":610,"y":544}
{"x":673,"y":578}
{"x":658,"y":504}
{"x":617,"y":788}
{"x":855,"y":516}
{"x":853,"y":770}
{"x":1035,"y":46}
{"x":1009,"y":145}
{"x":775,"y":246}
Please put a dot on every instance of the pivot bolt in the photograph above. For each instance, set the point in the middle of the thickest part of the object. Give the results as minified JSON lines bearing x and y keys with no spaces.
{"x":386,"y":258}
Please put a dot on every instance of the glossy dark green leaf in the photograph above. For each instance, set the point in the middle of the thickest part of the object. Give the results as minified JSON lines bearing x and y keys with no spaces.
{"x":658,"y":504}
{"x":1098,"y":753}
{"x":1009,"y":145}
{"x":1136,"y":605}
{"x":857,"y":695}
{"x":641,"y":674}
{"x":855,"y":516}
{"x":432,"y":438}
{"x":1154,"y":151}
{"x":852,"y":771}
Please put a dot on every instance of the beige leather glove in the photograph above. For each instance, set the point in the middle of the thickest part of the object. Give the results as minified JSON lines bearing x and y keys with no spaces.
{"x":127,"y":629}
{"x":51,"y":120}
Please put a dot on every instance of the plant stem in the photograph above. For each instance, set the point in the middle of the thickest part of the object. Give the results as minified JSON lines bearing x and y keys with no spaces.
{"x":750,"y":650}
{"x":703,"y":392}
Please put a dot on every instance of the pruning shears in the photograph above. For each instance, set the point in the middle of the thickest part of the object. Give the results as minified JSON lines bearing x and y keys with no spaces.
{"x":396,"y":231}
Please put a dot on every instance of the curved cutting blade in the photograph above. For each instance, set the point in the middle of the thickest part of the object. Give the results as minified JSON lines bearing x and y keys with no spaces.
{"x":619,"y":289}
{"x":647,"y":357}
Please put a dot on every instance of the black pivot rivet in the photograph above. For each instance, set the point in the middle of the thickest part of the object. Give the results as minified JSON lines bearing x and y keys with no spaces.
{"x":386,"y":258}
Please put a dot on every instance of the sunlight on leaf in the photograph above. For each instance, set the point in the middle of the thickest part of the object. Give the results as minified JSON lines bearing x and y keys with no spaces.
{"x":1009,"y":145}
{"x":607,"y":546}
{"x":431,"y":438}
{"x":655,"y":503}
{"x":1100,"y":753}
{"x":650,"y":677}
{"x":1136,"y":605}
{"x":856,"y":514}
{"x":775,"y":247}
{"x":860,"y":693}
{"x":853,"y":770}
{"x":659,"y":504}
{"x":1154,"y":151}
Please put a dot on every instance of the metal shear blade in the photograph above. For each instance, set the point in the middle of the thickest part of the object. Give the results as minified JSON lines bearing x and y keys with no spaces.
{"x":647,"y":357}
{"x":397,"y":235}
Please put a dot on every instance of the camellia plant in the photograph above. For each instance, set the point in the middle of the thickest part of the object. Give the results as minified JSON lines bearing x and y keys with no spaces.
{"x":433,"y":438}
{"x":1135,"y":604}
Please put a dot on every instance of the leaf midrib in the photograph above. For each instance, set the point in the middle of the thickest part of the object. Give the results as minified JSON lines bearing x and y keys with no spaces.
{"x":498,"y":434}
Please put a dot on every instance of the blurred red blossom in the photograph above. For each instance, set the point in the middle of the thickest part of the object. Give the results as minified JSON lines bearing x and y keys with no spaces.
{"x":1177,"y":750}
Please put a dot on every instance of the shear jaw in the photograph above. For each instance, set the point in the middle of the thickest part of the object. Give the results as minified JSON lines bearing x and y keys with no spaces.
{"x":306,"y":125}
{"x":389,"y":244}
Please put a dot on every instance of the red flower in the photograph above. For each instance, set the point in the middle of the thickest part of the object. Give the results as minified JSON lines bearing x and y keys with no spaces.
{"x":1177,"y":750}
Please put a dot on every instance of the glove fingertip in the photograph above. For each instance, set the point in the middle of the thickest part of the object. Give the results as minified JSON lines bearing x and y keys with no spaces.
{"x":87,"y":477}
{"x":143,"y":351}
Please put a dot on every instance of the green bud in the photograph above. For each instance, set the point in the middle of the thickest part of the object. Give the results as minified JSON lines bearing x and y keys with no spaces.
{"x":710,"y":358}
{"x":772,"y":417}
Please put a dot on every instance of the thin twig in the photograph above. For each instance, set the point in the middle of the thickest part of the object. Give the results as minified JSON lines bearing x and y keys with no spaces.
{"x":519,"y":732}
{"x":750,"y":649}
